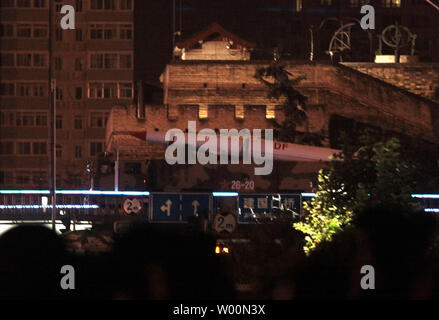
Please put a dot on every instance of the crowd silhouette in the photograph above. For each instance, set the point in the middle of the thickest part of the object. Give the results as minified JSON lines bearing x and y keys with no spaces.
{"x":152,"y":263}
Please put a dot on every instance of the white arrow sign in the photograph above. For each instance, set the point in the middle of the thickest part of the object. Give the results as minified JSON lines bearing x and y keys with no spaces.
{"x":167,"y":208}
{"x":195,"y":204}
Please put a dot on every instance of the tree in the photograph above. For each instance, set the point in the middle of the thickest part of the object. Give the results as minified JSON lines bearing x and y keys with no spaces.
{"x":373,"y":176}
{"x":294,"y":103}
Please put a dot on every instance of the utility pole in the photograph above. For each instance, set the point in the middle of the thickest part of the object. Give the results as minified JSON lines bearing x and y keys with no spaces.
{"x":116,"y":169}
{"x":52,"y":126}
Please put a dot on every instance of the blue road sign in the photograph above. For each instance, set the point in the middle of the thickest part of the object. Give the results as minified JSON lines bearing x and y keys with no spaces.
{"x":195,"y":205}
{"x":179,"y":207}
{"x":253,"y":206}
{"x":166,"y":208}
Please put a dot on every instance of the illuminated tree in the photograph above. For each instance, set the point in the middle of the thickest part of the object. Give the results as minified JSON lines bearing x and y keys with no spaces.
{"x":373,"y":176}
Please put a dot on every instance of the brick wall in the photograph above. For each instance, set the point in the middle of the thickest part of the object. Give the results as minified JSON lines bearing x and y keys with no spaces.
{"x":419,"y":78}
{"x":330,"y":90}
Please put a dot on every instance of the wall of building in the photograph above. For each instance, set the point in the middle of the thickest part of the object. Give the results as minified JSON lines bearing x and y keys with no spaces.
{"x":82,"y":115}
{"x":330,"y":90}
{"x":225,"y":95}
{"x":419,"y":78}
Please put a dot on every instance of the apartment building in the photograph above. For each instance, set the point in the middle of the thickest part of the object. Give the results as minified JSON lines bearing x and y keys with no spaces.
{"x":93,"y":69}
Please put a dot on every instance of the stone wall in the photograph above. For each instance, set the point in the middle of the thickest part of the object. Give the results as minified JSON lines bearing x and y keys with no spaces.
{"x":330,"y":90}
{"x":419,"y":78}
{"x":222,"y":87}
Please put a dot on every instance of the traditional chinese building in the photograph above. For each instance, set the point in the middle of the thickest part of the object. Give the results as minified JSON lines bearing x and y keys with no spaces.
{"x":213,"y":84}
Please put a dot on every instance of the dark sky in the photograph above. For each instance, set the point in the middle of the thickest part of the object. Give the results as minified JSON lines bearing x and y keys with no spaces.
{"x":243,"y":17}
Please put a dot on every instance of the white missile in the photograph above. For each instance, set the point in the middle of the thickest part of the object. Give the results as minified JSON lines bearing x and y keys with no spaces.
{"x":282,"y":151}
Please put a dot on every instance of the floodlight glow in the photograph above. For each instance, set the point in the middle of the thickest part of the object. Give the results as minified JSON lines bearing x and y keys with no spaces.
{"x":225,"y":194}
{"x":426,"y":196}
{"x":24,"y":192}
{"x":79,"y":192}
{"x":104,"y":193}
{"x":308,"y":194}
{"x":69,"y":206}
{"x":435,"y":210}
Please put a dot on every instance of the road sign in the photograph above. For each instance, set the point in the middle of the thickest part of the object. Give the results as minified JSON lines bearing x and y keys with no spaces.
{"x":259,"y":206}
{"x":179,"y":207}
{"x":165,"y":208}
{"x":225,"y":222}
{"x":195,"y":205}
{"x":132,"y":206}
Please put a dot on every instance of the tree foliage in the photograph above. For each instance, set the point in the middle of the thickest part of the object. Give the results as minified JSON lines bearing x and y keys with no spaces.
{"x":280,"y":86}
{"x":375,"y":175}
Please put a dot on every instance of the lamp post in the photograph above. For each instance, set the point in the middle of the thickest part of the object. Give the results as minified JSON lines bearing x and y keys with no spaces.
{"x":52,"y":126}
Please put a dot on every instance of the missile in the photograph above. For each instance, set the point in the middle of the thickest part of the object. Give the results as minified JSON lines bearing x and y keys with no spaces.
{"x":281,"y":151}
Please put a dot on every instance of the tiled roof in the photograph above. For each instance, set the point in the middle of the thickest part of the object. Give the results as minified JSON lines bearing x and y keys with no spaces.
{"x":212,"y":29}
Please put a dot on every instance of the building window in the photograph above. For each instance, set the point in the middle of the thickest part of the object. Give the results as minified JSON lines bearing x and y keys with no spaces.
{"x":103,"y":61}
{"x":59,"y":151}
{"x":23,"y":177}
{"x":30,"y":119}
{"x":78,"y":34}
{"x":78,"y":93}
{"x":103,"y":32}
{"x":103,"y":90}
{"x":99,"y":119}
{"x":40,"y":31}
{"x":391,"y":3}
{"x":39,"y":148}
{"x":58,"y":34}
{"x":7,"y":89}
{"x":39,"y":178}
{"x":299,"y":5}
{"x":126,"y":32}
{"x":78,"y":64}
{"x":125,"y":61}
{"x":24,"y":59}
{"x":99,"y":90}
{"x":78,"y":123}
{"x":7,"y":60}
{"x":41,"y":119}
{"x":39,"y":60}
{"x":7,"y":3}
{"x":96,"y":32}
{"x":7,"y":118}
{"x":78,"y":152}
{"x":6,"y":148}
{"x":270,"y":112}
{"x":126,"y":4}
{"x":28,"y":60}
{"x":96,"y":148}
{"x":59,"y":122}
{"x":39,"y":3}
{"x":102,"y":5}
{"x":25,"y":119}
{"x":31,"y":90}
{"x":239,"y":112}
{"x":58,"y":63}
{"x":23,"y":148}
{"x":23,"y":3}
{"x":126,"y":90}
{"x":6,"y":30}
{"x":203,"y":111}
{"x":78,"y":6}
{"x":59,"y":94}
